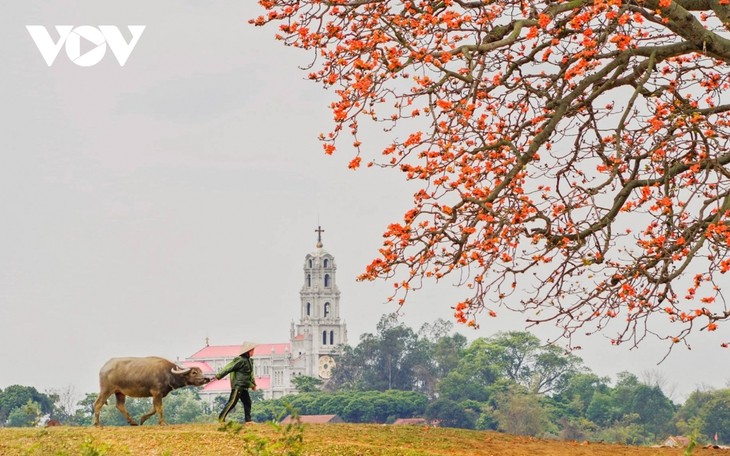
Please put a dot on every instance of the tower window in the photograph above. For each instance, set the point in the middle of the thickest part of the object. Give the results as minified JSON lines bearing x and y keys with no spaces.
{"x":324,"y":337}
{"x":309,"y":280}
{"x":326,"y":309}
{"x":326,"y":280}
{"x":310,"y":262}
{"x":326,"y":263}
{"x":309,"y":308}
{"x":332,"y":337}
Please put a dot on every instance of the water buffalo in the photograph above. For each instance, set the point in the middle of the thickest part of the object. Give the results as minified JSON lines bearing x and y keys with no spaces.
{"x":143,"y":377}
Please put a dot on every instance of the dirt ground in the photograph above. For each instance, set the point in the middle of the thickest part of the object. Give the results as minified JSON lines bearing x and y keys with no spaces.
{"x":323,"y":439}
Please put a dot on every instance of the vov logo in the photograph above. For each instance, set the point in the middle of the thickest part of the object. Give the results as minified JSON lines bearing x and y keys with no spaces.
{"x":71,"y":37}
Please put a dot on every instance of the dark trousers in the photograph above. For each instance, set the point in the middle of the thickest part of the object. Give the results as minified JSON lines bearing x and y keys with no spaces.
{"x":236,"y":394}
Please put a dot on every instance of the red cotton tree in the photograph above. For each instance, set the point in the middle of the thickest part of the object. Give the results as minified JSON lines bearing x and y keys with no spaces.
{"x":572,"y":154}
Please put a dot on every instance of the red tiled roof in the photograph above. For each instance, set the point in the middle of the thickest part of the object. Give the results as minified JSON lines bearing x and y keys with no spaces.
{"x":205,"y":367}
{"x":216,"y":386}
{"x":315,"y":419}
{"x":230,"y":351}
{"x":268,"y":349}
{"x":224,"y":385}
{"x":217,"y":351}
{"x":263,"y":383}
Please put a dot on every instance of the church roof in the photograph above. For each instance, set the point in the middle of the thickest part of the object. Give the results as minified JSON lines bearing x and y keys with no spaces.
{"x":230,"y":351}
{"x":205,"y":367}
{"x":224,"y":384}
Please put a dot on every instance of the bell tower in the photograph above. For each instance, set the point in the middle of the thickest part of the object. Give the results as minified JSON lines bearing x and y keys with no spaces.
{"x":320,"y":331}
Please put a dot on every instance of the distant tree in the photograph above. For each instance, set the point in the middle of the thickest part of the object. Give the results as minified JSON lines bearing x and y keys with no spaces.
{"x":66,"y":400}
{"x":27,"y":415}
{"x":602,"y":410}
{"x":136,"y":407}
{"x":359,"y":409}
{"x":579,"y":391}
{"x":655,"y":411}
{"x":16,"y":396}
{"x":462,"y":385}
{"x":351,"y":406}
{"x":636,"y":412}
{"x":448,"y":413}
{"x":387,"y":360}
{"x":570,"y":158}
{"x":184,"y":406}
{"x":348,"y":373}
{"x":521,"y":357}
{"x":475,"y":371}
{"x":84,"y":411}
{"x":627,"y":430}
{"x":257,"y":395}
{"x":520,"y":412}
{"x":576,"y":428}
{"x":393,"y":356}
{"x":435,"y":331}
{"x":715,"y":416}
{"x":306,"y":384}
{"x":689,"y":418}
{"x":447,"y":351}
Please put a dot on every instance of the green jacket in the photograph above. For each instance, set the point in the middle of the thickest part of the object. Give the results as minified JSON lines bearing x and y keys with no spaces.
{"x":241,"y":370}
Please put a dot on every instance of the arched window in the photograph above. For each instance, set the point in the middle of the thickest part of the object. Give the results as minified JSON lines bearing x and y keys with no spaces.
{"x":309,"y":308}
{"x":310,"y":262}
{"x":326,"y":263}
{"x":326,"y":280}
{"x":326,"y":309}
{"x":324,"y":337}
{"x":309,"y":280}
{"x":332,"y":337}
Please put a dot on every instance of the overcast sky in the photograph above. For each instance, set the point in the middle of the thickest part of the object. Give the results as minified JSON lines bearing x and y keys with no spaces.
{"x":147,"y":207}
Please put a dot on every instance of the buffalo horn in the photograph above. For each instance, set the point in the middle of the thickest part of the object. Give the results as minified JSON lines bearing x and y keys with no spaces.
{"x":180,"y":370}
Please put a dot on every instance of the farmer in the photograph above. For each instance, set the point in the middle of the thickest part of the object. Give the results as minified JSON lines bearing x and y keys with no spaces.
{"x":242,"y":379}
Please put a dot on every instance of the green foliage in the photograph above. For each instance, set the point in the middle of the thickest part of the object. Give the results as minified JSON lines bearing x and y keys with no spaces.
{"x":351,"y":406}
{"x":627,"y":430}
{"x":449,"y":413}
{"x":183,"y":406}
{"x":16,"y":396}
{"x":521,"y":412}
{"x":655,"y":411}
{"x":394,"y":358}
{"x":28,"y":415}
{"x":579,"y":392}
{"x":715,"y":416}
{"x":136,"y":407}
{"x":520,"y":357}
{"x":576,"y":428}
{"x":689,"y":418}
{"x":90,"y":448}
{"x":306,"y":384}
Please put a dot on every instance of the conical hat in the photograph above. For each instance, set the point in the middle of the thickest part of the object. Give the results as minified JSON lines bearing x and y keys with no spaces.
{"x":247,"y":346}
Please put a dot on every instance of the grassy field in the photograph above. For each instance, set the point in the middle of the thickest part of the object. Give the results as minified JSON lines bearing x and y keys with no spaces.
{"x":308,"y":439}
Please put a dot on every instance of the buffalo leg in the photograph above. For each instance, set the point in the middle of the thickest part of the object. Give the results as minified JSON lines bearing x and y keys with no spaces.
{"x":121,"y":399}
{"x":99,"y":403}
{"x":156,"y":408}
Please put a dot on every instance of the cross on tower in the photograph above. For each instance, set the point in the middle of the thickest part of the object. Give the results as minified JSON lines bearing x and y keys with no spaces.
{"x":319,"y":232}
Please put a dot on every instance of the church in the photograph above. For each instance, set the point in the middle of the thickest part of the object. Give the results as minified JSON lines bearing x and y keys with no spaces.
{"x":314,"y":342}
